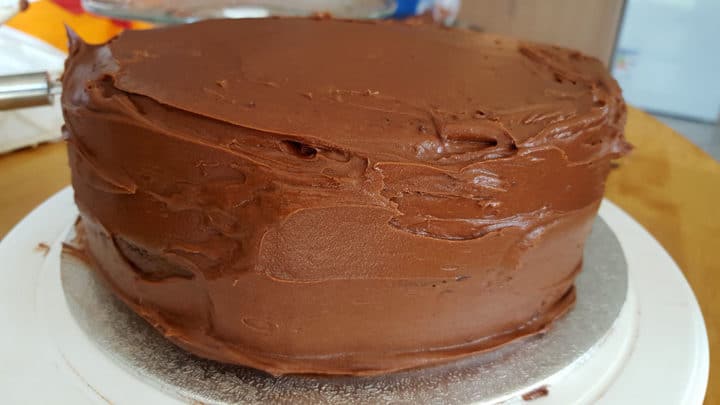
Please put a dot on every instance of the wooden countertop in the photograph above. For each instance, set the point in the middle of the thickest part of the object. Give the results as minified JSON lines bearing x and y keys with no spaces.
{"x":667,"y":184}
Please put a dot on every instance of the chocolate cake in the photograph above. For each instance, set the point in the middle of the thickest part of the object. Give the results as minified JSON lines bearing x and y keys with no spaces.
{"x":338,"y":197}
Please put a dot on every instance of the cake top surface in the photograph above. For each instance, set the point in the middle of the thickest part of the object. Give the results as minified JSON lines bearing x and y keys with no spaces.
{"x":391,"y":90}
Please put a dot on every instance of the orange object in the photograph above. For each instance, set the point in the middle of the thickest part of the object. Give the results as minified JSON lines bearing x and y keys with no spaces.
{"x":46,"y":20}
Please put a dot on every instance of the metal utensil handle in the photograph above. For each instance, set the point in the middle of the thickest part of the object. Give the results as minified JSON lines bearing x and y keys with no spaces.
{"x":27,"y":90}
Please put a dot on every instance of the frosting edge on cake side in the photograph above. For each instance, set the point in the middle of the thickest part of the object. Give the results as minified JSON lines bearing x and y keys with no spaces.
{"x":309,"y":214}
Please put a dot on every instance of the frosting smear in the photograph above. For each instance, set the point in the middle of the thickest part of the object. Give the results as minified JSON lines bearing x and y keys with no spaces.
{"x":338,"y":197}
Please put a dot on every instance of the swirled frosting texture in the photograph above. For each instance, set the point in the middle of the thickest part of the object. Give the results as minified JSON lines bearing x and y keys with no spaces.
{"x":338,"y":197}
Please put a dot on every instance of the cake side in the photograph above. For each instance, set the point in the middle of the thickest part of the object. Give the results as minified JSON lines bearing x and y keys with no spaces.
{"x":336,"y":197}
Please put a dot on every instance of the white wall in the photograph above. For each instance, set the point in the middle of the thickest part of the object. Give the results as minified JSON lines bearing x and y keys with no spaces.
{"x":668,"y":57}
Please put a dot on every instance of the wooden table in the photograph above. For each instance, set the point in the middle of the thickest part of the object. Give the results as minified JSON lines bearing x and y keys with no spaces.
{"x":667,"y":184}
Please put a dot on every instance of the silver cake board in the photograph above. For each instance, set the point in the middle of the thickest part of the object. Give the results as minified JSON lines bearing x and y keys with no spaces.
{"x":132,"y":343}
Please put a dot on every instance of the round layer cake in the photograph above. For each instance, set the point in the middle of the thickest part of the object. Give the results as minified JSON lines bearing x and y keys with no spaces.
{"x":338,"y":197}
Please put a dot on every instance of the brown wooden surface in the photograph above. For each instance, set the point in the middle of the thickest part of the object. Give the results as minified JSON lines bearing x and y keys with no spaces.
{"x":667,"y":184}
{"x":27,"y":178}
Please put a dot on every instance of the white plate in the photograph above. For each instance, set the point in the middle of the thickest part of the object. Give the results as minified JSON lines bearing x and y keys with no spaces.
{"x":667,"y":363}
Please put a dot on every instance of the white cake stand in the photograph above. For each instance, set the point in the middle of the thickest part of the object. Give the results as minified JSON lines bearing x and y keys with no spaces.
{"x":656,"y":353}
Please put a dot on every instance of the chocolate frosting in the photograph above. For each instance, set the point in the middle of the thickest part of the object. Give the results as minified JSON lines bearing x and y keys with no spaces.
{"x":338,"y":197}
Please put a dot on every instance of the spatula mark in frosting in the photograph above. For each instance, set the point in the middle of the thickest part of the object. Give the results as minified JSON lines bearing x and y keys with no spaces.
{"x":419,"y":149}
